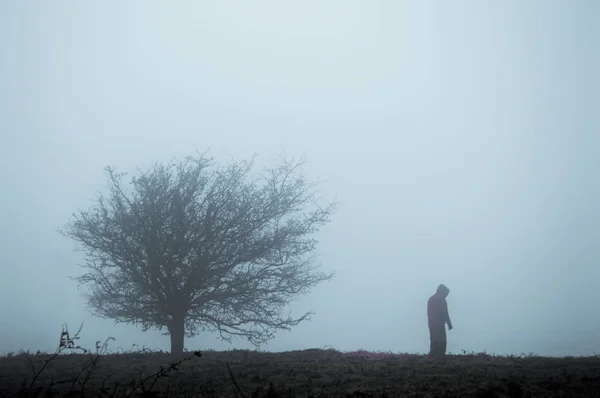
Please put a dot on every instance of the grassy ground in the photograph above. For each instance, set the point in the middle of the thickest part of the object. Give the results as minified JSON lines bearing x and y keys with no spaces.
{"x":316,"y":373}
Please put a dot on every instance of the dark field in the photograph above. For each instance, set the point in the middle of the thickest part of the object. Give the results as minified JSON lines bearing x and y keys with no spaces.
{"x":316,"y":373}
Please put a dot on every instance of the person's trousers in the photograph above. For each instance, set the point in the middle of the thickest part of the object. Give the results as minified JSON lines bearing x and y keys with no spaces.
{"x":437,"y":336}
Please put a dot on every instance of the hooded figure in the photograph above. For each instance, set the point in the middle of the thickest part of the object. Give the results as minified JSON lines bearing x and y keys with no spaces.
{"x":437,"y":315}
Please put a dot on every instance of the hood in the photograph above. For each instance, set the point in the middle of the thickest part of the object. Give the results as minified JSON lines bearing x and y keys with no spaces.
{"x":443,"y":291}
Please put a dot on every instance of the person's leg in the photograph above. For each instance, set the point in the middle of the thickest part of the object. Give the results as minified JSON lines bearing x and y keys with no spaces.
{"x":433,"y":341}
{"x":437,"y":336}
{"x":443,"y":344}
{"x":435,"y":352}
{"x":432,"y":347}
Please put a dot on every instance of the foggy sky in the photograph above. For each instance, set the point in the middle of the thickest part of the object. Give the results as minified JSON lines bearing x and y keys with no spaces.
{"x":462,"y":140}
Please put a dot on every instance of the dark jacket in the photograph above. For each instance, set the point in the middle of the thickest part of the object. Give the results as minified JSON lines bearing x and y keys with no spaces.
{"x":437,"y":308}
{"x":437,"y":311}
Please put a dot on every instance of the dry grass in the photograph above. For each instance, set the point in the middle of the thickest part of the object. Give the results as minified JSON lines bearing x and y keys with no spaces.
{"x":74,"y":371}
{"x":316,"y":373}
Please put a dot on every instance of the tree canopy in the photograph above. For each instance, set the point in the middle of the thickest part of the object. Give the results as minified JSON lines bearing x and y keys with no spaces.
{"x":191,"y":246}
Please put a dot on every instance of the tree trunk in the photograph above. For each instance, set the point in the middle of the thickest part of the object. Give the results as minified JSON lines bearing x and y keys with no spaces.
{"x":177,"y":332}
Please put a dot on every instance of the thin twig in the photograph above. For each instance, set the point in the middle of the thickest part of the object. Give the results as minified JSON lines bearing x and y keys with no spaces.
{"x":234,"y":382}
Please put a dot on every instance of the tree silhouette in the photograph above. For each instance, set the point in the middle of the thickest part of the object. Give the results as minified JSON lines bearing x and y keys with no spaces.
{"x":194,"y":246}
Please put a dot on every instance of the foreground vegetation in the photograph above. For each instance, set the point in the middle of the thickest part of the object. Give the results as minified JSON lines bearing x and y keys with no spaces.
{"x":308,"y":373}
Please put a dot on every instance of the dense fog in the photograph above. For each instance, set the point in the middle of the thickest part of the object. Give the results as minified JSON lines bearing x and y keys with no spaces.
{"x":461,"y":140}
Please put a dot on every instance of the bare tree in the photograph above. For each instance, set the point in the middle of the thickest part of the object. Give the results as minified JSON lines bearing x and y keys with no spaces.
{"x":194,"y":247}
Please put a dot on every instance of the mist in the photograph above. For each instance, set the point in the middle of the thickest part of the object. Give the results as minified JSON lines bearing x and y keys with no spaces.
{"x":460,"y":139}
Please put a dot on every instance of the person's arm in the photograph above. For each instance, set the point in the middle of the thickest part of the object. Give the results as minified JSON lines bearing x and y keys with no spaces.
{"x":447,"y":315}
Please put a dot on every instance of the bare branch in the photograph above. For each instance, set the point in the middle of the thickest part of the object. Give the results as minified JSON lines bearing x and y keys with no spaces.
{"x":195,"y":246}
